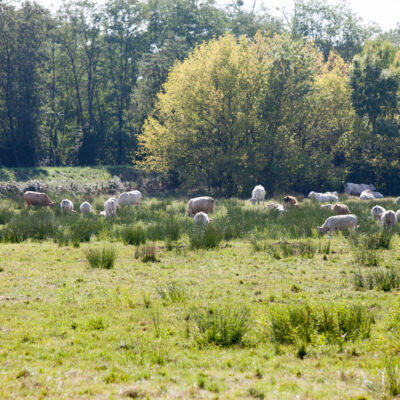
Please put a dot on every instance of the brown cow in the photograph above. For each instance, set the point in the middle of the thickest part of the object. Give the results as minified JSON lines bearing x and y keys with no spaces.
{"x":37,"y":199}
{"x":341,"y":209}
{"x":289,"y":201}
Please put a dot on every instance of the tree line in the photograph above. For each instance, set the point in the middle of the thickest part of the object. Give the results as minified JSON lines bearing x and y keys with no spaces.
{"x":211,"y":96}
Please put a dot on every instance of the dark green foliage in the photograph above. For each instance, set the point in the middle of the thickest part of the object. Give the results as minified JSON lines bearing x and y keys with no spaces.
{"x":222,"y":325}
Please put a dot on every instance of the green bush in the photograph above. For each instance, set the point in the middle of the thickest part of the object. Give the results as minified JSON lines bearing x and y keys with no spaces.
{"x":381,"y":279}
{"x":146,"y":253}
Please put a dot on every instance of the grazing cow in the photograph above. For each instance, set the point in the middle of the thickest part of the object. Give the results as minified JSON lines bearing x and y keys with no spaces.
{"x":367,"y":195}
{"x":201,"y":218}
{"x":257,"y":195}
{"x":85,"y":208}
{"x":324,"y":197}
{"x":341,"y":209}
{"x":289,"y":201}
{"x":110,"y":207}
{"x":133,"y":197}
{"x":357,"y":188}
{"x":388,"y":219}
{"x":338,"y":222}
{"x":376,"y":211}
{"x":67,"y":206}
{"x":37,"y":199}
{"x":205,"y":204}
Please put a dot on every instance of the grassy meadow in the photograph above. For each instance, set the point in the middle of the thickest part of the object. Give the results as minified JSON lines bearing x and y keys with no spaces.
{"x":144,"y":305}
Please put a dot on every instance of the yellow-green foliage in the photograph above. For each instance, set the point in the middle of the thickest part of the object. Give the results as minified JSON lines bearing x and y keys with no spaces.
{"x":237,"y":108}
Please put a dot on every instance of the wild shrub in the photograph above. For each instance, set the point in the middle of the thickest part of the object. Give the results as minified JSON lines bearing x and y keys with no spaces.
{"x":208,"y":237}
{"x":146,"y":253}
{"x":101,"y":258}
{"x":222,"y":325}
{"x":133,"y":234}
{"x":297,"y":323}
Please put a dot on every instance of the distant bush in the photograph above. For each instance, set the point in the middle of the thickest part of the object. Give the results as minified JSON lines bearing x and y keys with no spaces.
{"x":222,"y":325}
{"x":102,"y":258}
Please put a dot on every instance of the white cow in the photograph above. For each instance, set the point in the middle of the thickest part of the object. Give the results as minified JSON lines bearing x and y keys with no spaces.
{"x":367,"y":195}
{"x":201,"y":218}
{"x":197,"y":204}
{"x":388,"y":219}
{"x":257,"y":195}
{"x":133,"y":197}
{"x":110,"y":207}
{"x":85,"y":208}
{"x":67,"y":206}
{"x":324,"y":197}
{"x":357,"y":188}
{"x":376,"y":211}
{"x":338,"y":222}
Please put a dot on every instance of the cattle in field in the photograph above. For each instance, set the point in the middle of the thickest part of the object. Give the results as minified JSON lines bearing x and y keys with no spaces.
{"x":197,"y":204}
{"x":37,"y":199}
{"x":338,"y":223}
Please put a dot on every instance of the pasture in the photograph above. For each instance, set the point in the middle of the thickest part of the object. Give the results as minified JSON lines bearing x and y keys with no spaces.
{"x":255,"y":306}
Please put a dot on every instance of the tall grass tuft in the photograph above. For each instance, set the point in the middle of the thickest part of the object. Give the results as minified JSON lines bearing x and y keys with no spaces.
{"x":303,"y":323}
{"x":146,"y":253}
{"x":222,"y":325}
{"x":134,"y":235}
{"x":381,"y":279}
{"x":172,"y":292}
{"x":391,"y":377}
{"x":102,"y":258}
{"x":208,"y":237}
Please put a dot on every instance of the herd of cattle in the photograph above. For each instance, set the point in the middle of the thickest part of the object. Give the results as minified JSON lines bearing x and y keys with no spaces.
{"x":199,"y":208}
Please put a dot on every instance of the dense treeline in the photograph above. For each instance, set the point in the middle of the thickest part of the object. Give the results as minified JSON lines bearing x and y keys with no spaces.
{"x":305,"y":101}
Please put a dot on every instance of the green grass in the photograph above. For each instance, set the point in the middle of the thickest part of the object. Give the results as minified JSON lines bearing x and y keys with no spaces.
{"x":282,"y":319}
